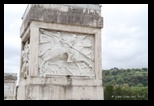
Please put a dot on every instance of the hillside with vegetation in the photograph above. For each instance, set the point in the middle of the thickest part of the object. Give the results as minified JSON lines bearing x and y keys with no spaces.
{"x":125,"y":84}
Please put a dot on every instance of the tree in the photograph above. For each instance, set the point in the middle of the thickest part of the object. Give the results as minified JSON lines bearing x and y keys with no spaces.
{"x":108,"y":92}
{"x":145,"y":69}
{"x":140,"y":85}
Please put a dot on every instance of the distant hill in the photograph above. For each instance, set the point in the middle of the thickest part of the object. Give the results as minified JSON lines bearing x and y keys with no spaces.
{"x":132,"y":77}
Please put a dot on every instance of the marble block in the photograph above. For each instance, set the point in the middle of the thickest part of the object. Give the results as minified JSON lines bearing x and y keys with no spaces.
{"x":10,"y":86}
{"x":61,"y":52}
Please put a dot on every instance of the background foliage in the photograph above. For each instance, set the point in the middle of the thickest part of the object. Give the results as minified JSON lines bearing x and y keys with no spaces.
{"x":125,"y":84}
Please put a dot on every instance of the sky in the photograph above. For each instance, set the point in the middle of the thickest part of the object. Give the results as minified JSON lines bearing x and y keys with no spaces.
{"x":124,"y":36}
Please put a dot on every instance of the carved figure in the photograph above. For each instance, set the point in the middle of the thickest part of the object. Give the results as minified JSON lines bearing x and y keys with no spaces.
{"x":8,"y":88}
{"x":64,"y":49}
{"x":25,"y":56}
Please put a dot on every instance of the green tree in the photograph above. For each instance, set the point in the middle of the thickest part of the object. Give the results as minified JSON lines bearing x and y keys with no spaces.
{"x":140,"y":85}
{"x":108,"y":92}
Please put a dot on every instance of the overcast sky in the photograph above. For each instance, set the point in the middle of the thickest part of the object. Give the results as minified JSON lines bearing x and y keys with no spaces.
{"x":124,"y":36}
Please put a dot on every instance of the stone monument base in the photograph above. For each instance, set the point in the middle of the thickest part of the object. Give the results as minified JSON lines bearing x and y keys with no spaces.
{"x":58,"y":92}
{"x":9,"y":98}
{"x":67,"y":89}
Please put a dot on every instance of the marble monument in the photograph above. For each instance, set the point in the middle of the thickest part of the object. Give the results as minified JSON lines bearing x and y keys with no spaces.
{"x":10,"y":86}
{"x":61,"y":52}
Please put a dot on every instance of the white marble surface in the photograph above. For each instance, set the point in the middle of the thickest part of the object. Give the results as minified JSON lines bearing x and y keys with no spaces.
{"x":25,"y":60}
{"x":8,"y":89}
{"x":64,"y":60}
{"x":10,"y":86}
{"x":63,"y":53}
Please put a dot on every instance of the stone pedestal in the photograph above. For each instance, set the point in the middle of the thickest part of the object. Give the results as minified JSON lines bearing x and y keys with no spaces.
{"x":61,"y":52}
{"x":10,"y":86}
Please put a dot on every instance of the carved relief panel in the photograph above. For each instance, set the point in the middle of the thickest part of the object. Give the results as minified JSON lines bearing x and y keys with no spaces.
{"x":8,"y":89}
{"x":65,"y":53}
{"x":25,"y":60}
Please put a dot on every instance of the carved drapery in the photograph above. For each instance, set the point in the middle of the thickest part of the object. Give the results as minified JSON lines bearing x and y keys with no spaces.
{"x":25,"y":60}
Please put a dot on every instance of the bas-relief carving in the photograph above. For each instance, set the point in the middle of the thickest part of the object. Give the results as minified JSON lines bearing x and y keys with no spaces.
{"x":63,"y":53}
{"x":25,"y":60}
{"x":8,"y":89}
